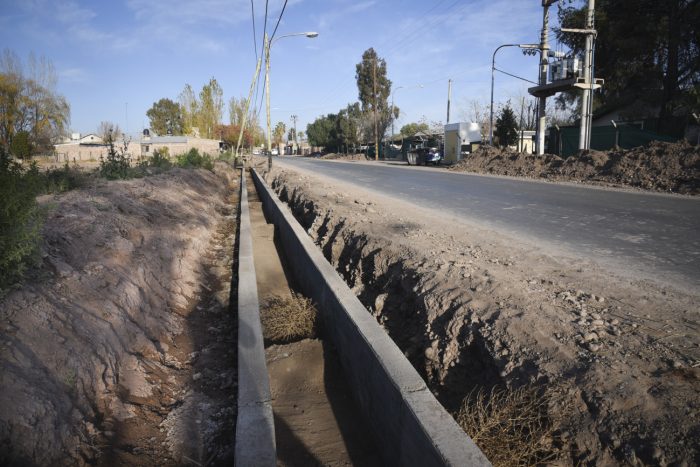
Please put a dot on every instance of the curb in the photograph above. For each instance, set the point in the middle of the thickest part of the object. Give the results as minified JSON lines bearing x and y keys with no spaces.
{"x":409,"y":425}
{"x":255,"y":430}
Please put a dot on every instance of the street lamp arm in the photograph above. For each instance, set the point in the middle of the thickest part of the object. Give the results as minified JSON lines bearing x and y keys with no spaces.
{"x":309,"y":34}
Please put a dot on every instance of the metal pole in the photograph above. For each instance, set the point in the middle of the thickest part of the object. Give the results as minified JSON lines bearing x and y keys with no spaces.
{"x":522,"y":109}
{"x":449,"y":94}
{"x":584,"y":134}
{"x":544,"y":64}
{"x":294,"y":119}
{"x":267,"y":101}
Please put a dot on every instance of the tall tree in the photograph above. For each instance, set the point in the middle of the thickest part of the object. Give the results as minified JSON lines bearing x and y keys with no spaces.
{"x":29,"y":102}
{"x":190,"y":110}
{"x":236,"y":110}
{"x":374,"y":89}
{"x":211,"y":107}
{"x":506,"y":127}
{"x":278,"y":133}
{"x":648,"y":51}
{"x":165,"y":117}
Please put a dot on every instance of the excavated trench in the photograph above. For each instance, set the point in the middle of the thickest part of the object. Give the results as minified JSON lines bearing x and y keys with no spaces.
{"x":439,"y":333}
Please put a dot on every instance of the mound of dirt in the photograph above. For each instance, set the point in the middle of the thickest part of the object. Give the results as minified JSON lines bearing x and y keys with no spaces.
{"x":119,"y":350}
{"x":473,"y":309}
{"x":660,"y":166}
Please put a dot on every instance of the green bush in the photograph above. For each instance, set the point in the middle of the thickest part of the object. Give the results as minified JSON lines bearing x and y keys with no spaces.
{"x":160,"y":159}
{"x":116,"y":165}
{"x":193,"y":159}
{"x":20,"y":219}
{"x":63,"y":179}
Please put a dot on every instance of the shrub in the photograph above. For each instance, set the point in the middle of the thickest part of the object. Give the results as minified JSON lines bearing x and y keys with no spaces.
{"x":193,"y":159}
{"x":513,"y":427}
{"x":117,"y":164}
{"x":286,"y":320}
{"x":20,"y":219}
{"x":64,"y":179}
{"x":160,"y":159}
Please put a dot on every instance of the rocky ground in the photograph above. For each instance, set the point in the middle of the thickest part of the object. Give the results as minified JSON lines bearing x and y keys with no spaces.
{"x":120,"y":349}
{"x":473,"y":309}
{"x":670,"y":167}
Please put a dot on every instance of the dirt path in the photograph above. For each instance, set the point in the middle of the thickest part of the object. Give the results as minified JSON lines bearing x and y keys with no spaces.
{"x":474,"y":309}
{"x":315,"y":422}
{"x":121,"y":349}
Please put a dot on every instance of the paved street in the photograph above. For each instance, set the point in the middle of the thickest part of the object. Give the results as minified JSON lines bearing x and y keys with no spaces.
{"x":649,"y":235}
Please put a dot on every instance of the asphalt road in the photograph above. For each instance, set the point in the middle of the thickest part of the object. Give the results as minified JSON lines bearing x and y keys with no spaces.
{"x":641,"y":235}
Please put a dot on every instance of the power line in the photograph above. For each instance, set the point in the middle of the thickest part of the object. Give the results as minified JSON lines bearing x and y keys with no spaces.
{"x":265,"y":27}
{"x":278,"y":20}
{"x":255,"y":39}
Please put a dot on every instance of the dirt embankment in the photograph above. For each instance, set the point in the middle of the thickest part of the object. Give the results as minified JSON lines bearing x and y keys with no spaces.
{"x":344,"y":157}
{"x":472,"y":309}
{"x":120,"y":351}
{"x":670,"y":167}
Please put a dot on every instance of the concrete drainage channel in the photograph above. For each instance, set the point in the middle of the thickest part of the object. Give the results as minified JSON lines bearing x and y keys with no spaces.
{"x":408,"y":424}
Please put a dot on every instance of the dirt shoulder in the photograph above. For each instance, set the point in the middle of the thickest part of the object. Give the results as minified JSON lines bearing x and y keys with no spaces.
{"x":121,"y":349}
{"x":660,"y":166}
{"x":473,"y":309}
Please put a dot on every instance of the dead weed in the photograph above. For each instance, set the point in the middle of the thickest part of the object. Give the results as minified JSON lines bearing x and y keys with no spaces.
{"x":512,"y":427}
{"x":288,"y":319}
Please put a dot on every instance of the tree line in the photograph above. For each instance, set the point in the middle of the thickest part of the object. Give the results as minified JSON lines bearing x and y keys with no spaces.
{"x":201,"y":114}
{"x":360,"y":121}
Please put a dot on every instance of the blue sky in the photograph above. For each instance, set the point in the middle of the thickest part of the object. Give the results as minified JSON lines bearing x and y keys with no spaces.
{"x":114,"y":59}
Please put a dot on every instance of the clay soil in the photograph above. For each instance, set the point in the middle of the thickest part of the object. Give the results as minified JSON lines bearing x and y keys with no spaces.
{"x":471,"y":308}
{"x":120,"y":348}
{"x":669,"y":167}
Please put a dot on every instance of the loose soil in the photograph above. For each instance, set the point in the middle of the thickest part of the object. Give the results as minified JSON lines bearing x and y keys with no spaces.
{"x":471,"y":308}
{"x":120,"y":350}
{"x":660,"y":166}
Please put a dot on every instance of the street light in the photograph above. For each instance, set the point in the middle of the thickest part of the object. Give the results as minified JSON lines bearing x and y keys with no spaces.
{"x":268,"y":45}
{"x":493,"y":69}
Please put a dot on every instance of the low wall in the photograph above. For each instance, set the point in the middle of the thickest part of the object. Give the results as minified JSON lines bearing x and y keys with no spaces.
{"x":408,"y":423}
{"x":255,"y":431}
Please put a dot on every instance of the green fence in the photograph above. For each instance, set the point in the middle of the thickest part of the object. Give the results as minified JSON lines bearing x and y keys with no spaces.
{"x":564,"y":142}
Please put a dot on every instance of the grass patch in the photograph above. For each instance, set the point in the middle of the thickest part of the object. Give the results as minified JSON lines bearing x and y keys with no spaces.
{"x":286,"y":320}
{"x":512,"y":427}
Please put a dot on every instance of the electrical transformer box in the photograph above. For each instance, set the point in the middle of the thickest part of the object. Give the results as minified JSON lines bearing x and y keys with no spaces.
{"x":565,"y":68}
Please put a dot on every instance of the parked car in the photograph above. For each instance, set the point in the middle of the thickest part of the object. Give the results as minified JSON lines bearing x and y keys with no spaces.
{"x":275,"y":152}
{"x":424,"y":156}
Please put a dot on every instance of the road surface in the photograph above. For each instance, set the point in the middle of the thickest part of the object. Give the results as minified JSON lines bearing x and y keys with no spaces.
{"x":640,"y":235}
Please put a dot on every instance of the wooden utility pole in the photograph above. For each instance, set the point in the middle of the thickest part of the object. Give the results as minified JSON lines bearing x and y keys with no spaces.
{"x":374,"y":93}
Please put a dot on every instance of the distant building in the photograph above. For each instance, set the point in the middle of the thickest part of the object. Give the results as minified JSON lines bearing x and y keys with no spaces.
{"x":92,"y":147}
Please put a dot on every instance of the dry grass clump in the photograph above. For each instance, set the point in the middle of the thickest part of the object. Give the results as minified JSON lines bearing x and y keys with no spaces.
{"x":512,"y":427}
{"x":288,"y":319}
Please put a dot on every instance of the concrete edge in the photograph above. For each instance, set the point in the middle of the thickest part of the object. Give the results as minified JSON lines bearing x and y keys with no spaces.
{"x":255,"y":430}
{"x":409,"y":424}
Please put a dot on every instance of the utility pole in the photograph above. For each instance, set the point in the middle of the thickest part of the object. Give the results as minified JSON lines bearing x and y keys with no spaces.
{"x":267,"y":101}
{"x":449,"y":95}
{"x":587,"y":94}
{"x":294,"y":120}
{"x":522,"y":109}
{"x":544,"y":65}
{"x":374,"y":93}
